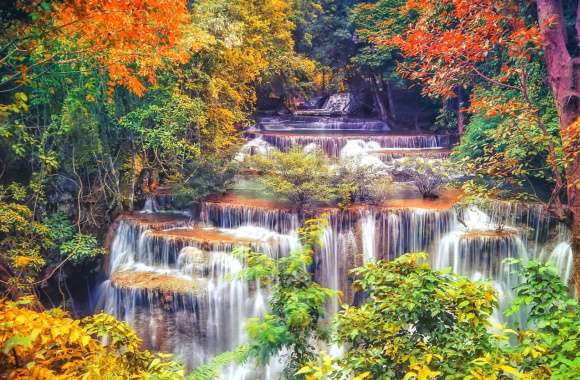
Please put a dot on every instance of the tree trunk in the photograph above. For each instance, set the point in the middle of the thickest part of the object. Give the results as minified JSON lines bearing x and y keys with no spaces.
{"x":390,"y":100}
{"x":564,"y":78}
{"x":460,"y":113}
{"x":378,"y":99}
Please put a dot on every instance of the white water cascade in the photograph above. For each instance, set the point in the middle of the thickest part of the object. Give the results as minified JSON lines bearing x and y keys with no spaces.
{"x":172,"y":275}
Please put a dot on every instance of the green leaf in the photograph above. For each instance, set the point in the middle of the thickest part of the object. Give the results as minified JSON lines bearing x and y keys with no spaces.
{"x":15,"y":341}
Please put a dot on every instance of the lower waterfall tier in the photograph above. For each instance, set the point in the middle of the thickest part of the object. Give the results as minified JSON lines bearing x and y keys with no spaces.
{"x":173,"y":278}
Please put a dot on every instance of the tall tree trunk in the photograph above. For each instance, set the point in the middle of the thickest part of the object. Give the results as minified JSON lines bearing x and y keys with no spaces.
{"x":460,"y":112}
{"x":390,"y":100}
{"x":378,"y":98}
{"x":564,"y":77}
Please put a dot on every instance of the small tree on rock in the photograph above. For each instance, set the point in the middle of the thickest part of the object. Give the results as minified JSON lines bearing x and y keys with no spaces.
{"x":427,"y":175}
{"x":302,"y":177}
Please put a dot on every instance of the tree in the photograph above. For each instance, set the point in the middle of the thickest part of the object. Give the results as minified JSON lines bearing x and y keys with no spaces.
{"x":376,"y":21}
{"x":550,"y":346}
{"x":418,"y":323}
{"x":357,"y":181}
{"x":303,"y":178}
{"x":457,"y":44}
{"x":561,"y":59}
{"x":428,"y":175}
{"x":297,"y":303}
{"x":129,"y":40}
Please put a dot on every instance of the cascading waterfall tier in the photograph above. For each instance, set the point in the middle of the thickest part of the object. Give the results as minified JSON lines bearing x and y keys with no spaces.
{"x":481,"y":255}
{"x":332,"y":143}
{"x":227,"y":214}
{"x":175,"y":282}
{"x":171,"y":277}
{"x":313,"y":123}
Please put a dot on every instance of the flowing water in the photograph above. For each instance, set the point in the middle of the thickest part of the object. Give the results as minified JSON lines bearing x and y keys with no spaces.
{"x":172,"y":275}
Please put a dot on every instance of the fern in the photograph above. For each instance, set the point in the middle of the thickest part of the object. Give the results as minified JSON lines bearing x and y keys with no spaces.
{"x":211,"y":369}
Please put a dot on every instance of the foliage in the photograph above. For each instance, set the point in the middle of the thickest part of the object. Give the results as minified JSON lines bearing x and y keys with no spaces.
{"x":378,"y":21}
{"x":493,"y":49}
{"x":22,"y":242}
{"x":502,"y":139}
{"x":417,"y":323}
{"x":30,"y":247}
{"x":50,"y":344}
{"x":77,"y":247}
{"x":358,"y":181}
{"x":450,"y":40}
{"x":211,"y":369}
{"x":428,"y":175}
{"x":301,"y":177}
{"x":61,"y":33}
{"x":550,"y":348}
{"x":103,"y":103}
{"x":296,"y":306}
{"x":322,"y":31}
{"x":206,"y":176}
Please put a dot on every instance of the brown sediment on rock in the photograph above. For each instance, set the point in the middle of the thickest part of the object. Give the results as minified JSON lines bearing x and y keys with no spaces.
{"x":155,"y":220}
{"x":200,"y":235}
{"x":445,"y":201}
{"x":238,"y":200}
{"x":157,"y":281}
{"x":497,"y":233}
{"x":413,"y":152}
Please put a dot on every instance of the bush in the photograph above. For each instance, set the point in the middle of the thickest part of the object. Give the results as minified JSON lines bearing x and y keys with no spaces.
{"x":360,"y":182}
{"x":50,"y":344}
{"x":428,"y":175}
{"x":303,"y":178}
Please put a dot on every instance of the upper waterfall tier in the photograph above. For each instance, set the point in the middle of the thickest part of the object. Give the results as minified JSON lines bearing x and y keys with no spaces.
{"x":320,"y":123}
{"x":232,"y":212}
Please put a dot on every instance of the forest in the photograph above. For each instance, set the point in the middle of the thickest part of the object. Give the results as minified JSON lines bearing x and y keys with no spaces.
{"x":290,"y":189}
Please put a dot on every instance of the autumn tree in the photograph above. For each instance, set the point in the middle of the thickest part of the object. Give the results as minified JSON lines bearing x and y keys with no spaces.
{"x":495,"y":46}
{"x":129,"y":41}
{"x":562,"y":55}
{"x":50,"y":344}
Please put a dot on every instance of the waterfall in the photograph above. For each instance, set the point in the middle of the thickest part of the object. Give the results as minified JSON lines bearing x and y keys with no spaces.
{"x":174,"y":282}
{"x":336,"y":105}
{"x":480,"y":256}
{"x":562,"y":259}
{"x":172,"y":276}
{"x":226,"y":215}
{"x":332,"y":144}
{"x":368,"y":236}
{"x":150,"y":206}
{"x":412,"y":230}
{"x":315,"y":123}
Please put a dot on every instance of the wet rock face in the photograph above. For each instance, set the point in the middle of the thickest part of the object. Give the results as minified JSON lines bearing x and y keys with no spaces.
{"x":315,"y":102}
{"x":341,"y":104}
